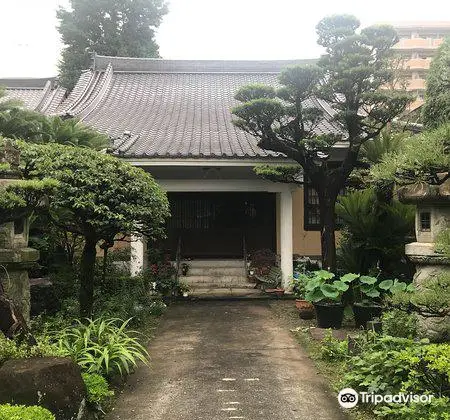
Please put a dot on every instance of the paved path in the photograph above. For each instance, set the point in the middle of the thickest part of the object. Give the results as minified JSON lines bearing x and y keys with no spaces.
{"x":225,"y":360}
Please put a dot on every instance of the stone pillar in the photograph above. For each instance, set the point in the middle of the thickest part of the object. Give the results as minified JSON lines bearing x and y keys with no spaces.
{"x":137,"y":255}
{"x":286,"y":248}
{"x":15,"y":255}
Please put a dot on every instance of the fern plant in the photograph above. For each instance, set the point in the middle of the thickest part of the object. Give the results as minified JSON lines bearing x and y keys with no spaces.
{"x":102,"y":346}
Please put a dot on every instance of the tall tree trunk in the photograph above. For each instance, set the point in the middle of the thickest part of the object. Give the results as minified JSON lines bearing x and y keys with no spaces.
{"x":87,"y":267}
{"x":327,"y":235}
{"x":105,"y":264}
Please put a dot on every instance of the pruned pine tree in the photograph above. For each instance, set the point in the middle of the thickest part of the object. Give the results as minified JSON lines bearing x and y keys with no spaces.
{"x":353,"y":79}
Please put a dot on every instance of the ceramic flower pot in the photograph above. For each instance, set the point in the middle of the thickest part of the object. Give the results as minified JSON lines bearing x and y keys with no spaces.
{"x":305,"y":309}
{"x":329,"y":315}
{"x":278,"y":292}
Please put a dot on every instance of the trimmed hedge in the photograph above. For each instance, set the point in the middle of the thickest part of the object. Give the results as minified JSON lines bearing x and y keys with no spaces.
{"x":22,"y":412}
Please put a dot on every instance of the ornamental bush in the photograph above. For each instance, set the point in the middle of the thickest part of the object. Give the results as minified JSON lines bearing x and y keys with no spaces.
{"x":22,"y":412}
{"x":163,"y":275}
{"x":98,"y":197}
{"x":98,"y":392}
{"x":103,"y":346}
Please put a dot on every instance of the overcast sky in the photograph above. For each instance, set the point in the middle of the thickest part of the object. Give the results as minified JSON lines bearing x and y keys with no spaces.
{"x":204,"y":29}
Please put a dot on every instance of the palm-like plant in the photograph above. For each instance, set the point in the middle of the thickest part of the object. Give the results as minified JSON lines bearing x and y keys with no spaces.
{"x":387,"y":142}
{"x":375,"y":232}
{"x":19,"y":123}
{"x":72,"y":132}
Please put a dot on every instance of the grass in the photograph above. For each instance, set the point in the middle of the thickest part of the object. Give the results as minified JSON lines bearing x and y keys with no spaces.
{"x":333,"y":371}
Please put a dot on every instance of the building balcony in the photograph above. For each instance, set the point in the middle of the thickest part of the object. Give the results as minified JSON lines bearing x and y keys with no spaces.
{"x":416,"y":84}
{"x":417,"y":44}
{"x":417,"y":64}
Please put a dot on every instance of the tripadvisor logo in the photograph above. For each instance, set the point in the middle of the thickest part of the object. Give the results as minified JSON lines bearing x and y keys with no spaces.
{"x":349,"y":398}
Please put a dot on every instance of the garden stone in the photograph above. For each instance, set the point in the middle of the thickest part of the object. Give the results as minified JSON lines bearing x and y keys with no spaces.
{"x":52,"y":382}
{"x":43,"y":297}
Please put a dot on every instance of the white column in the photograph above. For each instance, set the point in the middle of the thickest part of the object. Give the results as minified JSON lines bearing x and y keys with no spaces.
{"x":286,"y":236}
{"x":137,"y":255}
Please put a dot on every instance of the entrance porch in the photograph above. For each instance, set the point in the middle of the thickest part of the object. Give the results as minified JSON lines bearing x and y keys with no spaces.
{"x":220,"y":225}
{"x":221,"y":218}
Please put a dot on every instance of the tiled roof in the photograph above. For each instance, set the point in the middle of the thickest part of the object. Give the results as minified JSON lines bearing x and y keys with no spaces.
{"x":155,"y":108}
{"x":41,"y":95}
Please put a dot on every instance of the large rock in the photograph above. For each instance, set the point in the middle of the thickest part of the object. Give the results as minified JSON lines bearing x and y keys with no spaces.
{"x":52,"y":382}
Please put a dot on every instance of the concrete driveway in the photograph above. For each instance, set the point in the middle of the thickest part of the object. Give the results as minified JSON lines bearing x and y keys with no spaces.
{"x":217,"y":360}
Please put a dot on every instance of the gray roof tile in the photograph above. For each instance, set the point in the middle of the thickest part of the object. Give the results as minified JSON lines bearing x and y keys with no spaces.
{"x":41,"y":95}
{"x":172,"y":108}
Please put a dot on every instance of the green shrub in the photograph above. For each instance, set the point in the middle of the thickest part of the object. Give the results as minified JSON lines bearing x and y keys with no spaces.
{"x":398,"y":323}
{"x":391,"y":365}
{"x":10,"y":349}
{"x":21,"y":412}
{"x":102,"y":346}
{"x":333,"y":349}
{"x":98,"y":392}
{"x":127,"y":297}
{"x":438,"y":409}
{"x":429,"y":369}
{"x":377,"y":368}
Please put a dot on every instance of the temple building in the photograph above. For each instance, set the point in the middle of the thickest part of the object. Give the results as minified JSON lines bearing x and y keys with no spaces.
{"x":173,"y":119}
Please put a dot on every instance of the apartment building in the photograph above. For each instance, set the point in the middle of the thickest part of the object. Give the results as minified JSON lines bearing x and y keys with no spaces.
{"x":417,"y":45}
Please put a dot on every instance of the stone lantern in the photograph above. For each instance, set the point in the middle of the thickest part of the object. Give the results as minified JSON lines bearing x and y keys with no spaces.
{"x":432,"y":217}
{"x":15,"y":255}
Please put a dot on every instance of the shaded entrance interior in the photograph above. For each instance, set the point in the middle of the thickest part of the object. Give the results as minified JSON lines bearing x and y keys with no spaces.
{"x":219,"y":225}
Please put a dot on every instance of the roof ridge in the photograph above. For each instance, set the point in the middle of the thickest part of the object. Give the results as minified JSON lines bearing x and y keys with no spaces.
{"x":45,"y":93}
{"x":105,"y":83}
{"x":79,"y":100}
{"x":161,"y":65}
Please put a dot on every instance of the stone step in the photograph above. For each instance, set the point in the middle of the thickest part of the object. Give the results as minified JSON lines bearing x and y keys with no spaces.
{"x":212,"y":285}
{"x":213,"y":279}
{"x":221,"y":293}
{"x":215,"y":271}
{"x":214,"y":263}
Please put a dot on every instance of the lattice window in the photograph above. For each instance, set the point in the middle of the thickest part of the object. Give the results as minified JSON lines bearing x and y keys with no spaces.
{"x":425,"y":221}
{"x":312,"y":209}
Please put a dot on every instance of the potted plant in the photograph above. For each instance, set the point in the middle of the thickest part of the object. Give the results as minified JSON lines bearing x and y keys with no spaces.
{"x":325,"y":293}
{"x":184,"y":268}
{"x":184,"y":288}
{"x":369,"y":293}
{"x":305,"y":308}
{"x":271,"y":282}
